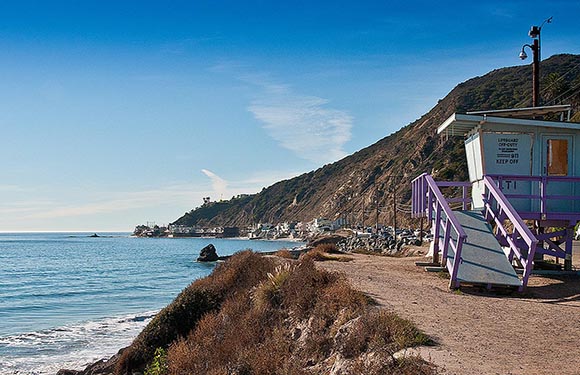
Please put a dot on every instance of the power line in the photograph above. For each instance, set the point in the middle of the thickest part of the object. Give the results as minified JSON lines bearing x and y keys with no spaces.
{"x":575,"y":93}
{"x":527,"y":99}
{"x":561,"y":77}
{"x":566,"y":92}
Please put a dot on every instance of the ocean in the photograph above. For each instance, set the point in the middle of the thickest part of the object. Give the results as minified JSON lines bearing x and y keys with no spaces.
{"x":67,"y":299}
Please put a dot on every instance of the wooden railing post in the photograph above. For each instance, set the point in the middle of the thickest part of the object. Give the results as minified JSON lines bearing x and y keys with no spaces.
{"x":429,"y":201}
{"x":437,"y":226}
{"x":453,"y":283}
{"x":543,"y":188}
{"x":446,"y":241}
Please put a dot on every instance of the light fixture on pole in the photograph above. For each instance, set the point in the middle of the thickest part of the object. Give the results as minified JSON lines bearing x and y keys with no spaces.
{"x":535,"y":33}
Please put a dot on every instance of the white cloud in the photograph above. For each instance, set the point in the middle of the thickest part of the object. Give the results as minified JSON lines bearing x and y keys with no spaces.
{"x":219,"y":185}
{"x":265,"y":82}
{"x":304,"y":124}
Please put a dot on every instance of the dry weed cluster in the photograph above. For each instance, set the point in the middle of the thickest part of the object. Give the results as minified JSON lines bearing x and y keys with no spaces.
{"x":258,"y":315}
{"x":324,"y":252}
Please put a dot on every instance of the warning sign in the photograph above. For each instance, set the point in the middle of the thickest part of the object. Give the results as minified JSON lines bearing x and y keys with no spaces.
{"x":507,"y":153}
{"x":508,"y":150}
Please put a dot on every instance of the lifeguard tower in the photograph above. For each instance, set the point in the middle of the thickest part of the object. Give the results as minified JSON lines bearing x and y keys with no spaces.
{"x":524,"y":177}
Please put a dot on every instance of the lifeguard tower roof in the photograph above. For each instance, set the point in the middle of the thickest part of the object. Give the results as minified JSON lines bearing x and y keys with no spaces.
{"x":461,"y":124}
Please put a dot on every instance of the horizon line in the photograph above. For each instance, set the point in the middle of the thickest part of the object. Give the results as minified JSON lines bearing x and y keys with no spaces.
{"x":64,"y":231}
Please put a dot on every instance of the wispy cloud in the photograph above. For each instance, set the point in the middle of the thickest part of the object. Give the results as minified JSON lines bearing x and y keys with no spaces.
{"x":266,"y":83}
{"x":260,"y":179}
{"x":219,"y":185}
{"x":224,"y":189}
{"x":39,"y":212}
{"x":304,"y":124}
{"x":113,"y":202}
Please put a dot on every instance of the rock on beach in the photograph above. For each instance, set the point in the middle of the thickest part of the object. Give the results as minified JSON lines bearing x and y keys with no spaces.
{"x":208,"y":254}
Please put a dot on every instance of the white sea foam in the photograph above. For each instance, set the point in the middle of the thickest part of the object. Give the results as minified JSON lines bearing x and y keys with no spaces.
{"x":72,"y":347}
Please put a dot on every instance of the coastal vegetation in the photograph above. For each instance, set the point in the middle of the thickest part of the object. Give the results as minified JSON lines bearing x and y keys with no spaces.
{"x":271,"y":315}
{"x":324,"y":252}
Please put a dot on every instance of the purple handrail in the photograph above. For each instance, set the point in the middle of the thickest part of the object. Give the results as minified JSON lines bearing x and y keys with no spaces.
{"x":420,"y":201}
{"x":542,"y":196}
{"x":465,"y":199}
{"x":428,"y":200}
{"x":497,"y":209}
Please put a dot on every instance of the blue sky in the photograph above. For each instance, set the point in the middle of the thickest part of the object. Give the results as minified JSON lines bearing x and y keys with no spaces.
{"x":116,"y":113}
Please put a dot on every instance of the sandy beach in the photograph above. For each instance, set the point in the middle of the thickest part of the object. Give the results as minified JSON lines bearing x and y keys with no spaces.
{"x":479,"y":332}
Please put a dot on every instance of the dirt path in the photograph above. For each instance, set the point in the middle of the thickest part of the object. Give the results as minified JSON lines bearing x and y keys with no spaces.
{"x":479,"y":332}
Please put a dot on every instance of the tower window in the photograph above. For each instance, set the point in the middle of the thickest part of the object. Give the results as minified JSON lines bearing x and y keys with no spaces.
{"x":557,"y":157}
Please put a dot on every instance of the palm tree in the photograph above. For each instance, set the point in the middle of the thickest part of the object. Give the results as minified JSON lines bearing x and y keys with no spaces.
{"x":555,"y":86}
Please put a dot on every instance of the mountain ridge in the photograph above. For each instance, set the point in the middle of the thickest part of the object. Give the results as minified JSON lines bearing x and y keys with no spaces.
{"x":381,"y":173}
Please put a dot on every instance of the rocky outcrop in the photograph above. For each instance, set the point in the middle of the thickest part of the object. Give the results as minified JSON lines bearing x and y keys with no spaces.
{"x":208,"y":254}
{"x":102,"y":367}
{"x":378,"y":245}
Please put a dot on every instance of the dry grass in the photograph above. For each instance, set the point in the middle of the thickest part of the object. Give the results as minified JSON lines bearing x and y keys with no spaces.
{"x":241,"y":272}
{"x":382,"y":330}
{"x":329,"y":248}
{"x":323,"y":253}
{"x":261,"y":318}
{"x":284,"y":253}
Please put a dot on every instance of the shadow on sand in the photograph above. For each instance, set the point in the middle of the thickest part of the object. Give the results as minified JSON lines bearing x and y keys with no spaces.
{"x":554,"y":289}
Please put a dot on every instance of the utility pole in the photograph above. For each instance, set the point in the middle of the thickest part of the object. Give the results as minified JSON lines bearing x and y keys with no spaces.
{"x":536,"y":74}
{"x":535,"y":33}
{"x":377,"y":210}
{"x":395,"y":215}
{"x":363,"y":213}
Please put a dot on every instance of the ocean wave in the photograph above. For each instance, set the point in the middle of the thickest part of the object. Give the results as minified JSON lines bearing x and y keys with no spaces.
{"x":73,"y":347}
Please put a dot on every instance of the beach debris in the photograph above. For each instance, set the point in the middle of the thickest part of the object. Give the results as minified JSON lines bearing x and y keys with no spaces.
{"x":208,"y":254}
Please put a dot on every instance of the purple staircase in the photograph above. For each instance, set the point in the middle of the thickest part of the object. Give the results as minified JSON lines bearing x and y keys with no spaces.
{"x":470,"y":248}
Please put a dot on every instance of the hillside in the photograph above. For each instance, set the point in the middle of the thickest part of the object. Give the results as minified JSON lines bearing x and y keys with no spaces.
{"x":343,"y":188}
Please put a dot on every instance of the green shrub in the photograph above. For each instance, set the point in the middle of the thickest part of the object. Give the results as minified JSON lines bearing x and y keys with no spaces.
{"x":267,"y":294}
{"x":159,"y":364}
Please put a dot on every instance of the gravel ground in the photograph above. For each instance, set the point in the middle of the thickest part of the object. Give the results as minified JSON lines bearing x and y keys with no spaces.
{"x":479,"y":331}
